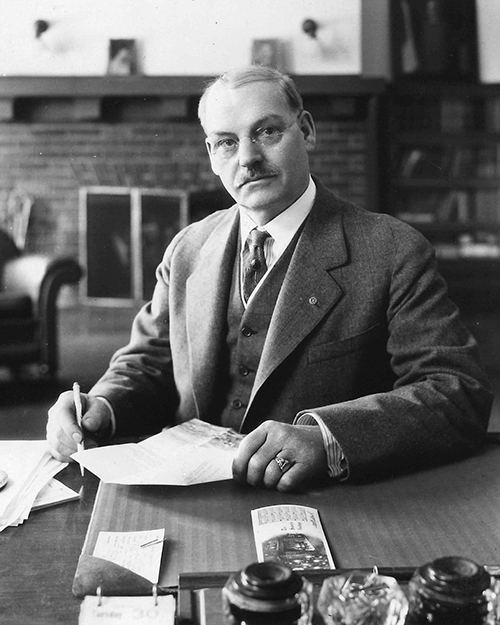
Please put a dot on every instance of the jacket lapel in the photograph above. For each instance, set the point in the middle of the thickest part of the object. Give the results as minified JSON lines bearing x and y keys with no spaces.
{"x":207,"y":297}
{"x":309,"y":291}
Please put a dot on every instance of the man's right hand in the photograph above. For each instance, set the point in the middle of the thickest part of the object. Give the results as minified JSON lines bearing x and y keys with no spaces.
{"x":63,"y":433}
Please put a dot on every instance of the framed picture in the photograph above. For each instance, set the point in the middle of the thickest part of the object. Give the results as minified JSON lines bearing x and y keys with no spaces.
{"x":122,"y":57}
{"x":266,"y":52}
{"x":435,"y":39}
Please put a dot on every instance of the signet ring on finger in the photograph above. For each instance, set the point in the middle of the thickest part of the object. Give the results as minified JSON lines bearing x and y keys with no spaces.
{"x":283,"y":463}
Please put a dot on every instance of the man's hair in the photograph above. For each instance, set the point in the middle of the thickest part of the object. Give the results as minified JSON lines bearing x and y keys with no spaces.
{"x":254,"y":73}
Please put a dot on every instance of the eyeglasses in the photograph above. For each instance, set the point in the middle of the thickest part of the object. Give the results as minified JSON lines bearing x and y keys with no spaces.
{"x":265,"y":137}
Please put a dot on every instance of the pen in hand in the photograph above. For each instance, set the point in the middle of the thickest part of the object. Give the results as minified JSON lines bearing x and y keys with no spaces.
{"x":78,"y":408}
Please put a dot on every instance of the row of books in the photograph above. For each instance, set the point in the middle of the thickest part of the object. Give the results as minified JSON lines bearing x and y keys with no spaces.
{"x":462,"y":207}
{"x":450,"y":115}
{"x":443,"y":162}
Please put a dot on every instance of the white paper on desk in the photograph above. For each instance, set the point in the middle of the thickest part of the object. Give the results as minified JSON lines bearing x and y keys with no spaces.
{"x":30,"y":467}
{"x":125,"y":549}
{"x":53,"y":493}
{"x":193,"y":452}
{"x":292,"y":534}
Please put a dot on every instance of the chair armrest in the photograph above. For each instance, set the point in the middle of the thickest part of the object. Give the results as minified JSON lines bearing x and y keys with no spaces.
{"x":41,"y":277}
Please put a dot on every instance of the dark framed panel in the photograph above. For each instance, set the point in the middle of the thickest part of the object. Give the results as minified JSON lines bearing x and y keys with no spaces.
{"x":434,"y":39}
{"x":106,"y":244}
{"x":123,"y":234}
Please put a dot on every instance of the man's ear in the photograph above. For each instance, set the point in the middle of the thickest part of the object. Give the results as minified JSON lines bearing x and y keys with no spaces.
{"x":212,"y":161}
{"x":308,"y":129}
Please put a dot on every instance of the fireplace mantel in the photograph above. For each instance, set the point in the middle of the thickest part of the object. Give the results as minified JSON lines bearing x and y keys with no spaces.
{"x":181,"y":86}
{"x":19,"y":95}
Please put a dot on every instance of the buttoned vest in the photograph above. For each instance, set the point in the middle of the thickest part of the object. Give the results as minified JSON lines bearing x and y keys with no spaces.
{"x":247,"y":330}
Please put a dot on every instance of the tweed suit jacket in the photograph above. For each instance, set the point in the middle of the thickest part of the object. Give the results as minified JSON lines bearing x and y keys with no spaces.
{"x":363,"y":334}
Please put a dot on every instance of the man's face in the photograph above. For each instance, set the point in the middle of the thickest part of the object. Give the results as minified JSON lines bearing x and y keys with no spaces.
{"x":264,"y":179}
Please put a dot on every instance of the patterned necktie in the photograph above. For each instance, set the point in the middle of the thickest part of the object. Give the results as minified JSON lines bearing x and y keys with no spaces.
{"x":254,"y":262}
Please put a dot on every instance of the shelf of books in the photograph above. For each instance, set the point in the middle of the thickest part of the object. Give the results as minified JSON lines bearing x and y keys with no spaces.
{"x":445,"y":165}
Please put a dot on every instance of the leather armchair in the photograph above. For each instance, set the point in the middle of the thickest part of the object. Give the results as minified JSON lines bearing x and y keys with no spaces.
{"x":29,"y":288}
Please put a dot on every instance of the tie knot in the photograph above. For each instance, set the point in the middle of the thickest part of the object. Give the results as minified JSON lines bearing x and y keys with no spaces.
{"x":257,"y":237}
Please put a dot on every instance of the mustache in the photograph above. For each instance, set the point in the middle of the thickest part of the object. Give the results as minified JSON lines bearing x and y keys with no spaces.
{"x":255,"y":174}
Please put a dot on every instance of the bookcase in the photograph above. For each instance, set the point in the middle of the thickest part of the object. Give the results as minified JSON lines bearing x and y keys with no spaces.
{"x":444,"y":174}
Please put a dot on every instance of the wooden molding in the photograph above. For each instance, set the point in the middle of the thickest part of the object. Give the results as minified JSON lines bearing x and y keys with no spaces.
{"x":20,"y":96}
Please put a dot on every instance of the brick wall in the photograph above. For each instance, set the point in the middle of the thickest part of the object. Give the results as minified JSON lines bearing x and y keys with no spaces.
{"x":52,"y":160}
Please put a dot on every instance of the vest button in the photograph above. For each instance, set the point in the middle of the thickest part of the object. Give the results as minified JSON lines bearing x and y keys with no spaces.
{"x":237,"y":404}
{"x":244,"y":370}
{"x":246,"y":331}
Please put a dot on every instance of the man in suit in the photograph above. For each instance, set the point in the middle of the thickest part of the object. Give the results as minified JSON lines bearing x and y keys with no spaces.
{"x":347,"y":360}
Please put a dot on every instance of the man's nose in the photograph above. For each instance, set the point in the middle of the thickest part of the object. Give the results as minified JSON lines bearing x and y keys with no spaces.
{"x":249,"y":152}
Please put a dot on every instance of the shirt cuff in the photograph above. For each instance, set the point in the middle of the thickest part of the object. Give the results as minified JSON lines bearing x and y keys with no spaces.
{"x":337,"y":463}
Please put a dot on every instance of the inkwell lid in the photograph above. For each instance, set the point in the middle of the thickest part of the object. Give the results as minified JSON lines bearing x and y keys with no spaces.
{"x":268,"y":580}
{"x":454,"y":577}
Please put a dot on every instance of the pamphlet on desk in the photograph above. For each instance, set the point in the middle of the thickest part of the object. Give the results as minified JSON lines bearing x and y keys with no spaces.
{"x":293,"y":535}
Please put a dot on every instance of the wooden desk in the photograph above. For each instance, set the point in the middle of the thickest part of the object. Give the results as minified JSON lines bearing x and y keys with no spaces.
{"x":406,"y":521}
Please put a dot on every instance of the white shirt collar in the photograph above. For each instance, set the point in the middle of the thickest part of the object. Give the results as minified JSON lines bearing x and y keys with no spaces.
{"x":284,"y":226}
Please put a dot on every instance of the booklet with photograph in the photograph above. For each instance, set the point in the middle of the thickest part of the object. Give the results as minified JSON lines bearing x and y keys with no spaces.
{"x":293,"y":535}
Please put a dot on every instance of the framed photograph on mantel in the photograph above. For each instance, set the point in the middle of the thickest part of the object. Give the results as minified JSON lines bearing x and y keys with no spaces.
{"x":122,"y":57}
{"x":267,"y":52}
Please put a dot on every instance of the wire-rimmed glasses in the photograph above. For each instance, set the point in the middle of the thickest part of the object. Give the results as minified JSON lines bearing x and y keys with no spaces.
{"x":265,"y":136}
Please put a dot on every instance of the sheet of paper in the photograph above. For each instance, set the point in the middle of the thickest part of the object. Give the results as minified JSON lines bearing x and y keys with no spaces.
{"x":139,"y":552}
{"x":53,"y":493}
{"x":18,"y":509}
{"x":30,"y":467}
{"x":191,"y":453}
{"x":18,"y":459}
{"x":127,"y":610}
{"x":292,"y":534}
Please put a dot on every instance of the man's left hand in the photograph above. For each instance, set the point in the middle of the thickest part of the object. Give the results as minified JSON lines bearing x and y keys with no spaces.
{"x":280,"y":455}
